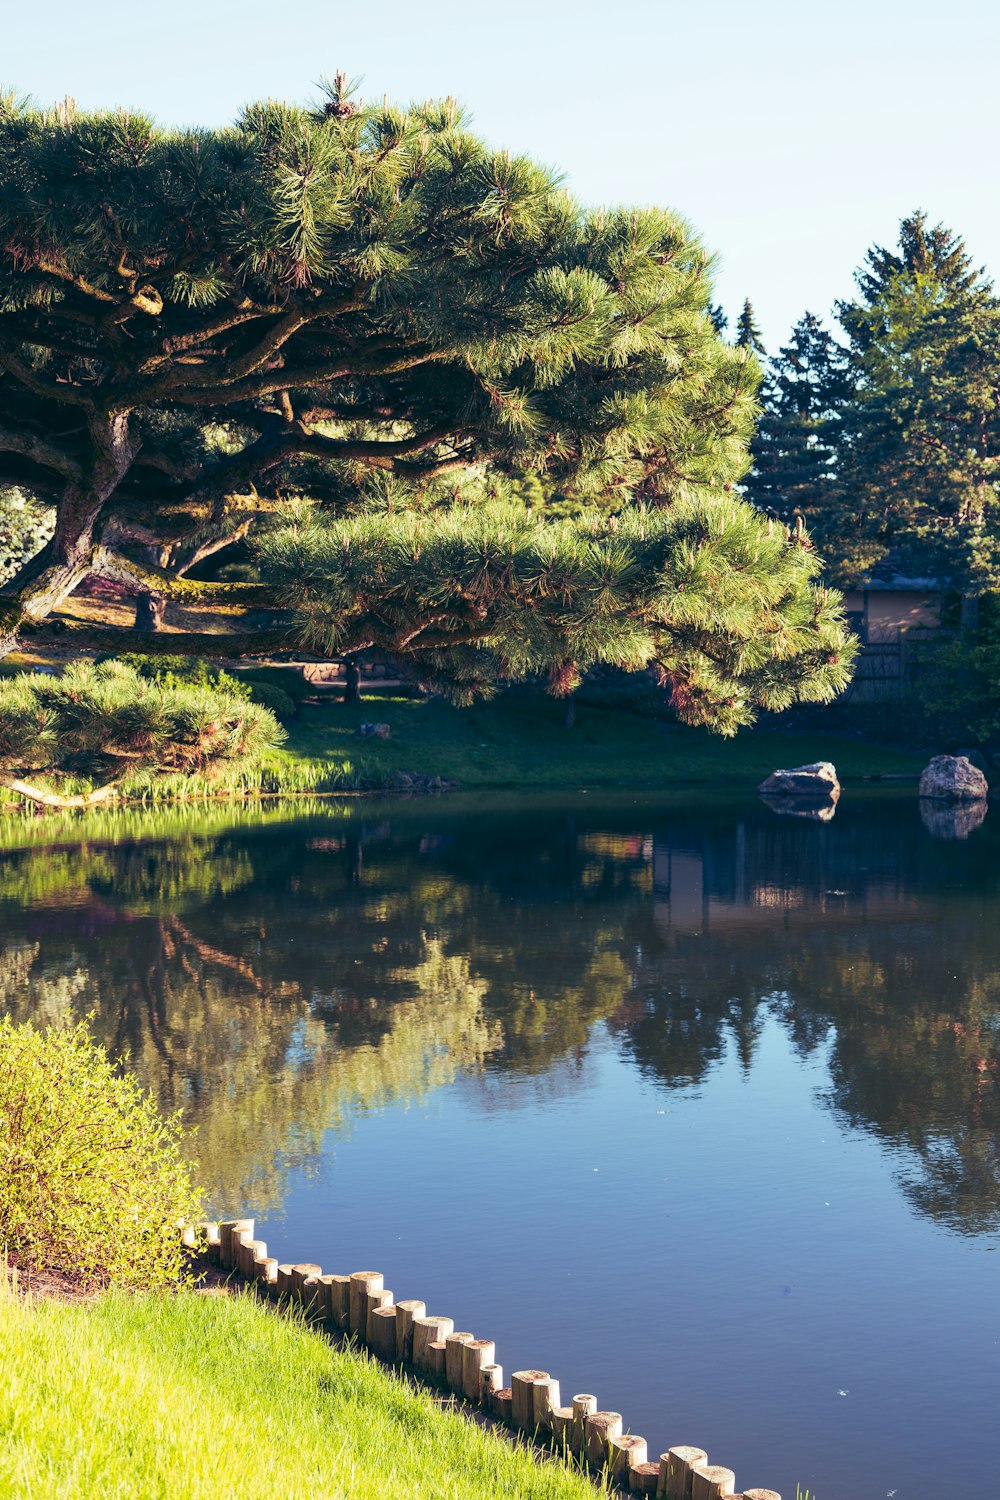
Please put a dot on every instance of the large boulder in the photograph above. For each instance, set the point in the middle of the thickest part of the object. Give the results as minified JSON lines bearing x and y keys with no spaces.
{"x":953,"y":778}
{"x":816,"y":783}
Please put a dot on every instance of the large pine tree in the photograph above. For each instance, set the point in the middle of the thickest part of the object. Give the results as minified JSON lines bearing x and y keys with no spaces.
{"x":323,"y":311}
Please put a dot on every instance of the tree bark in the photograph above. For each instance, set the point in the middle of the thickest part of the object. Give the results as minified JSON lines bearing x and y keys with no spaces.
{"x":969,"y":619}
{"x":54,"y":799}
{"x":352,"y":682}
{"x":570,"y":716}
{"x":149,"y":613}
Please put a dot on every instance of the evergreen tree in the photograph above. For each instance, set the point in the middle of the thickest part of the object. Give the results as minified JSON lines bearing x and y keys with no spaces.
{"x":796,"y":452}
{"x":318,"y":314}
{"x":748,"y":335}
{"x":922,"y":452}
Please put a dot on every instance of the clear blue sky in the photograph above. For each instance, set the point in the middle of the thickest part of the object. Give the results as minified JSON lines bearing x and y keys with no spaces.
{"x":792,"y":133}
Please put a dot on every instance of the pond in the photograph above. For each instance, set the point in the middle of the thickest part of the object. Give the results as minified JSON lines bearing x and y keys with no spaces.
{"x":694,"y":1106}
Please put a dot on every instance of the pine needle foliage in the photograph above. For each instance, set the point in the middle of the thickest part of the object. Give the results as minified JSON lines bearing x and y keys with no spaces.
{"x":722,"y":603}
{"x":108,"y":724}
{"x":193,"y":323}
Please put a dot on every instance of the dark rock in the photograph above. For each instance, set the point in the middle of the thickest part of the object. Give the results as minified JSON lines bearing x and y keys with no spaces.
{"x":373,"y":731}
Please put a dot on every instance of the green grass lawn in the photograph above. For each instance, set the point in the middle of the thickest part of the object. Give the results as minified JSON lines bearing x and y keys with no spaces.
{"x":522,"y":742}
{"x":195,"y":1397}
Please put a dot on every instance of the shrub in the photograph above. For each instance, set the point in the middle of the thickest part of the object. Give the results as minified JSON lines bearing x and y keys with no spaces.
{"x":92,"y":1181}
{"x":108,"y":723}
{"x":274,"y":698}
{"x":289,"y":679}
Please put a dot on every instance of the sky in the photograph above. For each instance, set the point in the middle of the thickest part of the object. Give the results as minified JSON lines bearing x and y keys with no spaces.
{"x":792,"y":134}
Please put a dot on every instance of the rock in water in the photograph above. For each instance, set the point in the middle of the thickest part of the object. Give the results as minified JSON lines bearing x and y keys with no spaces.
{"x":816,"y":783}
{"x":953,"y":778}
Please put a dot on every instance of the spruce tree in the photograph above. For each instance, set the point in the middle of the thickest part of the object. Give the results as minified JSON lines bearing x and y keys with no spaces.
{"x":922,"y":436}
{"x":748,"y":334}
{"x":796,"y":452}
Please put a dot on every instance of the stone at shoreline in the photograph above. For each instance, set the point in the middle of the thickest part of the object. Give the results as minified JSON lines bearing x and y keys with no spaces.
{"x":953,"y":778}
{"x":374,"y":731}
{"x":951,"y":820}
{"x":816,"y":783}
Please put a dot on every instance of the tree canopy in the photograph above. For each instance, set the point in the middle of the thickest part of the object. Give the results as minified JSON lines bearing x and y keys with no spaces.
{"x":323,"y":311}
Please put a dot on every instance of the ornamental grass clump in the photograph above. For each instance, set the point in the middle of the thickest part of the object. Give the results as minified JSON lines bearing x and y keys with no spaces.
{"x":108,"y":728}
{"x":92,"y":1179}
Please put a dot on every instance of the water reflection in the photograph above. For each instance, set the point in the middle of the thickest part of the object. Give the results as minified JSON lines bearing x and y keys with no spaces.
{"x":274,"y":975}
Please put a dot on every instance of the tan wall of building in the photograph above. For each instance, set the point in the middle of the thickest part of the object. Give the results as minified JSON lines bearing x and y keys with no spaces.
{"x":890,"y":612}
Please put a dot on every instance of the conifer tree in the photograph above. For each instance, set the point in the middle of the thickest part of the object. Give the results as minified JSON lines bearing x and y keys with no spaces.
{"x":921,"y":460}
{"x":796,"y":451}
{"x":318,"y":314}
{"x":748,"y":334}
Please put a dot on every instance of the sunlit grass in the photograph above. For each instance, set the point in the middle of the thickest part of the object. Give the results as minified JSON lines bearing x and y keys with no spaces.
{"x":199,"y":1396}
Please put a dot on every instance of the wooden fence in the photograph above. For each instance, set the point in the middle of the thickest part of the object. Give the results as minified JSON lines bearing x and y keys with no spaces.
{"x":358,"y":1306}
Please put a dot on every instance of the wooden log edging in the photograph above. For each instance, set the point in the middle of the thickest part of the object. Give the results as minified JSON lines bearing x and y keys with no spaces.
{"x":359,"y":1306}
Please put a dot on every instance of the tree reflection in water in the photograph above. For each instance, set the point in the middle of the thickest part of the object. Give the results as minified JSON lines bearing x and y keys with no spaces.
{"x":273,"y":974}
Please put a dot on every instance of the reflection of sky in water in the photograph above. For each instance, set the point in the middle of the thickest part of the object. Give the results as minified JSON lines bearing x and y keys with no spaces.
{"x":698,"y":1107}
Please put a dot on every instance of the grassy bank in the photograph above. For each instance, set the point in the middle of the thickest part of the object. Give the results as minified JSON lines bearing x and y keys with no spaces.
{"x":523,"y":742}
{"x":200,"y":1396}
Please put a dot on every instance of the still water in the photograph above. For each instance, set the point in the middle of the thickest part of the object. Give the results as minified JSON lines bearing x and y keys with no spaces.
{"x":694,"y":1106}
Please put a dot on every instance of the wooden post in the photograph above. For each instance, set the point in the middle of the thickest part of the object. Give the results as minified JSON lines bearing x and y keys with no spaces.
{"x":248,"y":1253}
{"x":502,"y":1405}
{"x":313,"y":1298}
{"x":362,"y":1282}
{"x":561,"y":1421}
{"x":475,"y":1355}
{"x":226,"y":1229}
{"x":625,"y":1454}
{"x":405,"y":1314}
{"x":643,"y":1478}
{"x":711,"y":1482}
{"x":425,"y":1331}
{"x":283,"y":1281}
{"x":300,"y":1275}
{"x":583,"y":1407}
{"x":523,"y":1399}
{"x":437,"y":1357}
{"x":454,"y":1343}
{"x":213,"y":1244}
{"x":490,"y":1382}
{"x":377,"y":1300}
{"x":189,"y":1236}
{"x":599,"y":1429}
{"x":338,"y":1294}
{"x":382,"y":1331}
{"x":265,"y":1270}
{"x":239,"y":1238}
{"x":675,"y":1471}
{"x":544,"y":1396}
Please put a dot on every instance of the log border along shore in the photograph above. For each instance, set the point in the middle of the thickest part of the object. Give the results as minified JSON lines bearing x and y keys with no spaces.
{"x":358,"y":1306}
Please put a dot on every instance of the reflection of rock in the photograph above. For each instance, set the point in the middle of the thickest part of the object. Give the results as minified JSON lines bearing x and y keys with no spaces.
{"x":951,"y":820}
{"x":804,"y":792}
{"x":952,"y":778}
{"x":819,"y":809}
